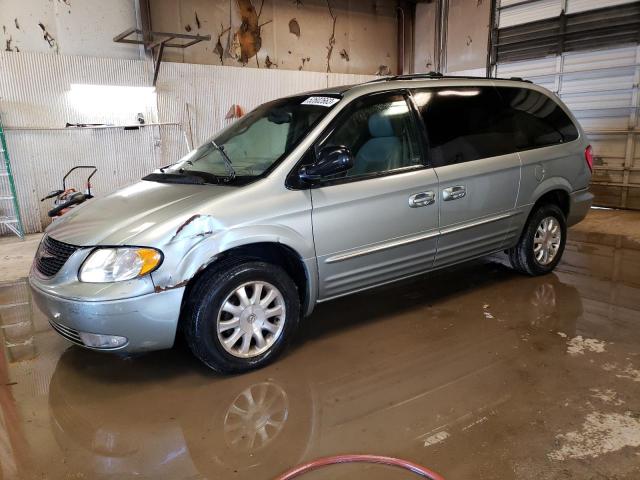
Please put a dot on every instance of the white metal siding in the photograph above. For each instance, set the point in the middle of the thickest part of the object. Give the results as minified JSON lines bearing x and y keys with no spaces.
{"x":528,"y":12}
{"x":190,"y":99}
{"x":512,"y":14}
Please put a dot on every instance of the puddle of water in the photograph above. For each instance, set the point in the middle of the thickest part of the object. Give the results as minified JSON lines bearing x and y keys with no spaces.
{"x":465,"y":371}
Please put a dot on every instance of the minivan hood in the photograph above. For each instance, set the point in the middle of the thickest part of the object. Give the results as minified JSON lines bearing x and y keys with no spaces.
{"x":132,"y":213}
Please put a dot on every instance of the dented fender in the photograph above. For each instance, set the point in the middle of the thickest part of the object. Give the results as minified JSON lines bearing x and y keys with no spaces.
{"x":199,"y":241}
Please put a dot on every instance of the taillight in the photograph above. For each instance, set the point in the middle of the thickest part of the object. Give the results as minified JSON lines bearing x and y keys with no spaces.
{"x":588,"y":156}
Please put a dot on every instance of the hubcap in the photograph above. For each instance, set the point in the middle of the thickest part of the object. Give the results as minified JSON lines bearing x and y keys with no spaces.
{"x":546,"y":241}
{"x":251,"y":319}
{"x":256,"y":417}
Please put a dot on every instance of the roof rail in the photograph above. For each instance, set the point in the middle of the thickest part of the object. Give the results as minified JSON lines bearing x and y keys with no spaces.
{"x":438,"y":75}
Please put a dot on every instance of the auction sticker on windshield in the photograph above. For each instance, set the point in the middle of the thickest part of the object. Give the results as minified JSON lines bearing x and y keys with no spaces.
{"x":322,"y":101}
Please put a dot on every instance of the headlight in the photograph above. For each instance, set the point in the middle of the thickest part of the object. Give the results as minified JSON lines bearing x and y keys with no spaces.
{"x":118,"y":264}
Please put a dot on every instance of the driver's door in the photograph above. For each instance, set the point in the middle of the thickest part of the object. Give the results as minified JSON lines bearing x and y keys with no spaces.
{"x":379,"y":221}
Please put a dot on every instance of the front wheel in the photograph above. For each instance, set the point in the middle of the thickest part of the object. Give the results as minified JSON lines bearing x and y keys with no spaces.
{"x":542,"y":242}
{"x":240,"y":316}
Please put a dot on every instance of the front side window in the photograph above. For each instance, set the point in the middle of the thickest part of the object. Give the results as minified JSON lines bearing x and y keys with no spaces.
{"x":249,"y":147}
{"x":381,"y":134}
{"x":464,"y":124}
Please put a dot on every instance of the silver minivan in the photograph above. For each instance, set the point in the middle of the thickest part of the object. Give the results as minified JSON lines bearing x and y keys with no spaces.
{"x":309,"y":198}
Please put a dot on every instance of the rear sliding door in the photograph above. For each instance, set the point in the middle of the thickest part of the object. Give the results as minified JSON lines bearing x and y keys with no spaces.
{"x":472,"y":148}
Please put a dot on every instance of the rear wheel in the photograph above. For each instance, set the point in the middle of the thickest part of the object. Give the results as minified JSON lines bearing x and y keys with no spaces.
{"x":241,"y":315}
{"x":542,"y":242}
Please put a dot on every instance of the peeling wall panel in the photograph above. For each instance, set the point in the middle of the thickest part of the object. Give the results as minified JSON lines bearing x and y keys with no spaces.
{"x":362,"y":38}
{"x":467,"y":34}
{"x":424,"y":49}
{"x":293,"y":35}
{"x":84,"y":27}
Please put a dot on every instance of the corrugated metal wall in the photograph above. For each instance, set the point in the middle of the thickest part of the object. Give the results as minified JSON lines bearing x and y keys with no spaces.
{"x":190,"y":100}
{"x":199,"y":96}
{"x":518,"y":12}
{"x":601,"y":89}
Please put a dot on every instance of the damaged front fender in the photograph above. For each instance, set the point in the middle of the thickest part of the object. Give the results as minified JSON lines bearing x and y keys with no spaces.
{"x":200,"y":241}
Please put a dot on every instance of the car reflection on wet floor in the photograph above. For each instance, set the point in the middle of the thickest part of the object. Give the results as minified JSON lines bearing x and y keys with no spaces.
{"x":475,"y":372}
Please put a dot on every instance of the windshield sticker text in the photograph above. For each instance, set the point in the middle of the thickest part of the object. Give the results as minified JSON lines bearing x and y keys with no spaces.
{"x":322,"y":101}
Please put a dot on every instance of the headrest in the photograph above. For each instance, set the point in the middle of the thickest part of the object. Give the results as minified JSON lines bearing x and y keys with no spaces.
{"x":380,"y":125}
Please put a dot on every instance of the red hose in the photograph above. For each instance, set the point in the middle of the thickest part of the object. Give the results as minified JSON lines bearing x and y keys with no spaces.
{"x":338,"y":459}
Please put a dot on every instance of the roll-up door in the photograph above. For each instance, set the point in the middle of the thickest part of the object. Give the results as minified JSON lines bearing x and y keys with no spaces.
{"x":587,"y":52}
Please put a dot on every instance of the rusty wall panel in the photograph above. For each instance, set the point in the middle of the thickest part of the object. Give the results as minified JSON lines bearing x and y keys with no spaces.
{"x":467,"y":34}
{"x":286,"y":34}
{"x":424,"y":48}
{"x":354,"y":36}
{"x":68,"y":27}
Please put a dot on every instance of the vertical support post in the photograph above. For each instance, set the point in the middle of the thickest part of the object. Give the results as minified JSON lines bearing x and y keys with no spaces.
{"x":400,"y":49}
{"x":492,"y":38}
{"x":143,"y":11}
{"x":158,"y":61}
{"x":440,"y":41}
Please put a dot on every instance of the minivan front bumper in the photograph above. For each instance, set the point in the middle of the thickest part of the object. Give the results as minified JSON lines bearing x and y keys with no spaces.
{"x":148,"y":322}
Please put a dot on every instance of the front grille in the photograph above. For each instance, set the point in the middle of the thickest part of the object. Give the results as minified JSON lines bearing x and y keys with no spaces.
{"x":52,"y":255}
{"x":68,"y":333}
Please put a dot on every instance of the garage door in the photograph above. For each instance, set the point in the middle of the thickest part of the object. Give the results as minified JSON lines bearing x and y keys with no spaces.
{"x":590,"y":57}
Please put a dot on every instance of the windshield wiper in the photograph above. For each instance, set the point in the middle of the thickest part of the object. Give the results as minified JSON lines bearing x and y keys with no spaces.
{"x":181,"y":178}
{"x":227,"y":160}
{"x":162,"y":169}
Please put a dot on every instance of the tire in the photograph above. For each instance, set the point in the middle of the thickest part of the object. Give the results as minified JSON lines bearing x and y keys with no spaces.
{"x":523,"y":258}
{"x":216,"y":314}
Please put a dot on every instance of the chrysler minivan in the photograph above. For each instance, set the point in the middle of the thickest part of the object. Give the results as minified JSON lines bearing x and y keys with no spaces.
{"x":313,"y":197}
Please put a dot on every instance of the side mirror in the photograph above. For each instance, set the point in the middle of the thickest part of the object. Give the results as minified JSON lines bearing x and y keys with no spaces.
{"x":331,"y":160}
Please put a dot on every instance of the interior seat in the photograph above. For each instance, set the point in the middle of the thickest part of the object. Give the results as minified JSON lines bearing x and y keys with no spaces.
{"x":382,"y":151}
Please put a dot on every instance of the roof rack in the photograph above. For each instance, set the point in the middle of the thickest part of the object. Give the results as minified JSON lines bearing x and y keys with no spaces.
{"x":438,"y":75}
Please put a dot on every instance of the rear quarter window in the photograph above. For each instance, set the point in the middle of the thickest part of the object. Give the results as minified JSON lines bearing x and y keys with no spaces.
{"x":470,"y":123}
{"x":537,"y":120}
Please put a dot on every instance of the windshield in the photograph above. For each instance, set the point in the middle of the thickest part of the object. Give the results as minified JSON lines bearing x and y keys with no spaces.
{"x":247,"y":148}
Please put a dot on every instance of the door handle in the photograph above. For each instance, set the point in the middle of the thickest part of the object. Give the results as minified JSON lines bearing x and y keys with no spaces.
{"x":422,"y":199}
{"x":454,"y":193}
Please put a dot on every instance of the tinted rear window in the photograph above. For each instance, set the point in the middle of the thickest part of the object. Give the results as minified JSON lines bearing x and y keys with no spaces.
{"x":537,"y":120}
{"x":469,"y":123}
{"x":465,"y":124}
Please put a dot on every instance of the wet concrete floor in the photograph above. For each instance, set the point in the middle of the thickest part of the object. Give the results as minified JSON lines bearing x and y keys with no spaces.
{"x":475,"y":372}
